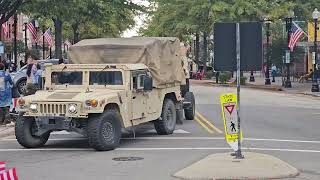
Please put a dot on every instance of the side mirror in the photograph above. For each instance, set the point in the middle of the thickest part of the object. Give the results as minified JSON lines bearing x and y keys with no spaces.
{"x":148,"y":83}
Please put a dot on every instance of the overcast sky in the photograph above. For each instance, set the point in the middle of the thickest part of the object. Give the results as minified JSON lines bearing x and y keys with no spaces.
{"x":139,"y":21}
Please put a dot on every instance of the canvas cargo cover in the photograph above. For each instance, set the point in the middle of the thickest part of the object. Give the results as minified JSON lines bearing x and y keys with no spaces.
{"x":161,"y":55}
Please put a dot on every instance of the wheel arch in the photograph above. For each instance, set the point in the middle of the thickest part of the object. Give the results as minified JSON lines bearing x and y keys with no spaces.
{"x":172,"y":96}
{"x":115,"y":106}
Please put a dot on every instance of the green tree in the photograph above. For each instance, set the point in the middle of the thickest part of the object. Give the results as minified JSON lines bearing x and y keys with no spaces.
{"x":94,"y":18}
{"x":8,"y":8}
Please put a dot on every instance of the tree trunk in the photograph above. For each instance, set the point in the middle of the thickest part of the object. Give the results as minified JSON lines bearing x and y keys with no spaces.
{"x":197,"y":48}
{"x":76,"y":34}
{"x":205,"y":51}
{"x":58,"y":38}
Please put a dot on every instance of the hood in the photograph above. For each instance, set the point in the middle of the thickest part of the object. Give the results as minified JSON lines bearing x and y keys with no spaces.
{"x":71,"y":96}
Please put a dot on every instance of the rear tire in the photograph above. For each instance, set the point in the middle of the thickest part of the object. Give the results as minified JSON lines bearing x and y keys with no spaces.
{"x":104,"y":131}
{"x":167,"y":124}
{"x":190,"y":111}
{"x":23,"y":130}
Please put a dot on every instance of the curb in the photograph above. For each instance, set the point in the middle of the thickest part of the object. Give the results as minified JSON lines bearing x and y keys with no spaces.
{"x":7,"y":131}
{"x":248,"y":85}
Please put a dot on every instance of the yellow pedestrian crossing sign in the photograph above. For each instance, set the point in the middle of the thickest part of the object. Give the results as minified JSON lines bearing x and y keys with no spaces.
{"x":230,"y":119}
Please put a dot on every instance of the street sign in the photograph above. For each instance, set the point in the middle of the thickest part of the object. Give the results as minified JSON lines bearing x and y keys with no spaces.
{"x":230,"y":118}
{"x":225,"y":46}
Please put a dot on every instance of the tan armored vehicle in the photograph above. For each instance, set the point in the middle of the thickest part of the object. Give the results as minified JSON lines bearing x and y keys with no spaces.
{"x":109,"y":84}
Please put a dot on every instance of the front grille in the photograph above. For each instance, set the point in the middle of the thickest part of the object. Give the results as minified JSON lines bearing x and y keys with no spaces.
{"x":53,"y":108}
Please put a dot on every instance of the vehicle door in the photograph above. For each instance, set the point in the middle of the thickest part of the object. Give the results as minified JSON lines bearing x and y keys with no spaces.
{"x":139,"y":97}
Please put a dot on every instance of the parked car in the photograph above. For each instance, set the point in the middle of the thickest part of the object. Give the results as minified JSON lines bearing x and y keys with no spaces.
{"x":20,"y":77}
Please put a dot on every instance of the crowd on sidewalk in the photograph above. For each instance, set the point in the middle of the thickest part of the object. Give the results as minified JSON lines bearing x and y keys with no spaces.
{"x":6,"y":84}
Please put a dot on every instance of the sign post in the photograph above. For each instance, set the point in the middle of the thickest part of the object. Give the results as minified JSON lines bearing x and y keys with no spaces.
{"x":238,"y":153}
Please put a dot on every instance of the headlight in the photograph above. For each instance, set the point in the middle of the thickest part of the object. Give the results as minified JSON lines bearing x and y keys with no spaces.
{"x":73,"y":108}
{"x":33,"y":106}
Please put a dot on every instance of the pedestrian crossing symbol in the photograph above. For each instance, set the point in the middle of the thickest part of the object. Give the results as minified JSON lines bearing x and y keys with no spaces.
{"x":230,"y":118}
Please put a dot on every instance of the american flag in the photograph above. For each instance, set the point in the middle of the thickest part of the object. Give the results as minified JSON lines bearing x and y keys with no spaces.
{"x":296,"y":34}
{"x":31,"y":27}
{"x":10,"y":174}
{"x":47,"y":37}
{"x":5,"y":28}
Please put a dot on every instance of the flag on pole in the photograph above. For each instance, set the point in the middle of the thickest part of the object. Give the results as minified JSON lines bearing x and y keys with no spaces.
{"x":48,"y":37}
{"x":32,"y":28}
{"x":10,"y":174}
{"x":5,"y":28}
{"x":296,"y":34}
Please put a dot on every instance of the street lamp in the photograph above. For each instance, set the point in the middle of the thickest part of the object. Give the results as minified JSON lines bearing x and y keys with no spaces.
{"x":267,"y":80}
{"x":288,"y":57}
{"x":25,"y":22}
{"x":36,"y":25}
{"x":315,"y":85}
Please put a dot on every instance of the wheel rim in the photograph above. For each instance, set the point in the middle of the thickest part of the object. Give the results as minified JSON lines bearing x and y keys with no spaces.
{"x":169,"y":118}
{"x":107,"y":131}
{"x":22,"y":86}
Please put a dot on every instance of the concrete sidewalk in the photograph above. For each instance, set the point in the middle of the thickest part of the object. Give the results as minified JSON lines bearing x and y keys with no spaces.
{"x":224,"y":166}
{"x":297,"y":88}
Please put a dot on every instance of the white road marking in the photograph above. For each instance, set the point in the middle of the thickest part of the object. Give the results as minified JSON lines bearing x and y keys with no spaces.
{"x":182,"y":138}
{"x":177,"y":131}
{"x":60,"y":132}
{"x":163,"y":149}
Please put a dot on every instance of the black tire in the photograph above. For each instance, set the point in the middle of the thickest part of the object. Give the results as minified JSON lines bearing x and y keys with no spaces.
{"x":21,"y":86}
{"x":24,"y":135}
{"x":191,"y":110}
{"x":104,"y":131}
{"x":168,"y":121}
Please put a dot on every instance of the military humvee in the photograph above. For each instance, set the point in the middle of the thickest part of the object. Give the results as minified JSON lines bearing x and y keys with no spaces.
{"x":128,"y":82}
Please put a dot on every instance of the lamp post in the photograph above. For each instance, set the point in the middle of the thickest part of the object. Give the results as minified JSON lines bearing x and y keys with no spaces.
{"x":25,"y":22}
{"x":36,"y":25}
{"x":315,"y":85}
{"x":267,"y":80}
{"x":15,"y":51}
{"x":288,"y":57}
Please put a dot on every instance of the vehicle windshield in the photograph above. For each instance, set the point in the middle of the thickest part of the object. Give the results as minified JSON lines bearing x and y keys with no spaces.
{"x":70,"y":78}
{"x":105,"y":78}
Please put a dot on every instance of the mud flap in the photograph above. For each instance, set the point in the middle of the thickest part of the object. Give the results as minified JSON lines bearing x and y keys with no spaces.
{"x":180,"y":113}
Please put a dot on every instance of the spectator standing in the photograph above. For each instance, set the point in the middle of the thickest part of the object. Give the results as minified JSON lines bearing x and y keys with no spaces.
{"x":31,"y":87}
{"x":5,"y":93}
{"x":273,"y":72}
{"x":37,"y":77}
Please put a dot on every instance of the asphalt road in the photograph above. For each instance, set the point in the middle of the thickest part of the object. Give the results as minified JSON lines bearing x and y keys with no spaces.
{"x":283,"y":125}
